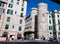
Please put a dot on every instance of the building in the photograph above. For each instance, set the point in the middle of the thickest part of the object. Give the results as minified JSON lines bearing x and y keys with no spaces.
{"x":30,"y":26}
{"x":56,"y":24}
{"x":50,"y":25}
{"x":12,"y":18}
{"x":43,"y":32}
{"x":42,"y":23}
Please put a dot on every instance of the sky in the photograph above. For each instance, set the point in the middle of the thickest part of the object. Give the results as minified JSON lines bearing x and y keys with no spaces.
{"x":34,"y":3}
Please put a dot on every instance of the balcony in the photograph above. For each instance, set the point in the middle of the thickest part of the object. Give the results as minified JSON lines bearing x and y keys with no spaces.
{"x":28,"y":30}
{"x":3,"y":5}
{"x":5,"y":1}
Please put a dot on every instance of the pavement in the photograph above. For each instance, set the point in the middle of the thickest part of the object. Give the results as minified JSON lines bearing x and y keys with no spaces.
{"x":28,"y":42}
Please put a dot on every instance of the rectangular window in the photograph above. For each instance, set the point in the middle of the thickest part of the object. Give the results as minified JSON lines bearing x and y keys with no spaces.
{"x":22,"y":4}
{"x":18,"y":0}
{"x":59,"y":27}
{"x":6,"y":26}
{"x":2,"y":4}
{"x":13,"y":26}
{"x":20,"y":28}
{"x":0,"y":17}
{"x":10,"y":5}
{"x":49,"y":16}
{"x":53,"y":16}
{"x":22,"y":9}
{"x":8,"y":19}
{"x":9,"y":11}
{"x":18,"y":3}
{"x":2,"y":10}
{"x":50,"y":27}
{"x":58,"y":22}
{"x":57,"y":15}
{"x":15,"y":12}
{"x":50,"y":21}
{"x":21,"y":14}
{"x":53,"y":21}
{"x":43,"y":15}
{"x":20,"y":21}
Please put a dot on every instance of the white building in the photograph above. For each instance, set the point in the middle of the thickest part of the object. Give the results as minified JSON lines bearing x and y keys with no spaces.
{"x":12,"y":15}
{"x":30,"y":25}
{"x":43,"y":25}
{"x":50,"y":25}
{"x":56,"y":24}
{"x":43,"y":32}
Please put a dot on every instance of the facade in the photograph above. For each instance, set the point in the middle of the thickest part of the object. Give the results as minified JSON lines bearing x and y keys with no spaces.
{"x":46,"y":24}
{"x":30,"y":25}
{"x":12,"y":18}
{"x":43,"y":21}
{"x":50,"y":25}
{"x":56,"y":24}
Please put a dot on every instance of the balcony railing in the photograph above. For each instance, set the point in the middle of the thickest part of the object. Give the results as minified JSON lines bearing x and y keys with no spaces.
{"x":5,"y":1}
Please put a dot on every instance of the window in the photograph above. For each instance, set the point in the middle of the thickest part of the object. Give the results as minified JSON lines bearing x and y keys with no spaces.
{"x":18,"y":0}
{"x":13,"y":26}
{"x":10,"y":5}
{"x":30,"y":26}
{"x":2,"y":4}
{"x":49,"y":16}
{"x":0,"y":17}
{"x":6,"y":26}
{"x":59,"y":33}
{"x":22,"y":9}
{"x":57,"y":15}
{"x":23,"y":1}
{"x":43,"y":15}
{"x":8,"y":19}
{"x":50,"y":21}
{"x":2,"y":10}
{"x":50,"y":27}
{"x":22,"y":4}
{"x":20,"y":21}
{"x":53,"y":21}
{"x":58,"y":22}
{"x":53,"y":16}
{"x":15,"y":12}
{"x":18,"y":3}
{"x":9,"y":11}
{"x":5,"y":34}
{"x":59,"y":27}
{"x":50,"y":32}
{"x":19,"y":28}
{"x":21,"y":14}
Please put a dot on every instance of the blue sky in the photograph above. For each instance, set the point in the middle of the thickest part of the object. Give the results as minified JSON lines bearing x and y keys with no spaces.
{"x":34,"y":3}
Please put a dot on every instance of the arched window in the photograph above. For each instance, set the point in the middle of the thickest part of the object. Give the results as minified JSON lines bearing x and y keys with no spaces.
{"x":6,"y":26}
{"x":5,"y":34}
